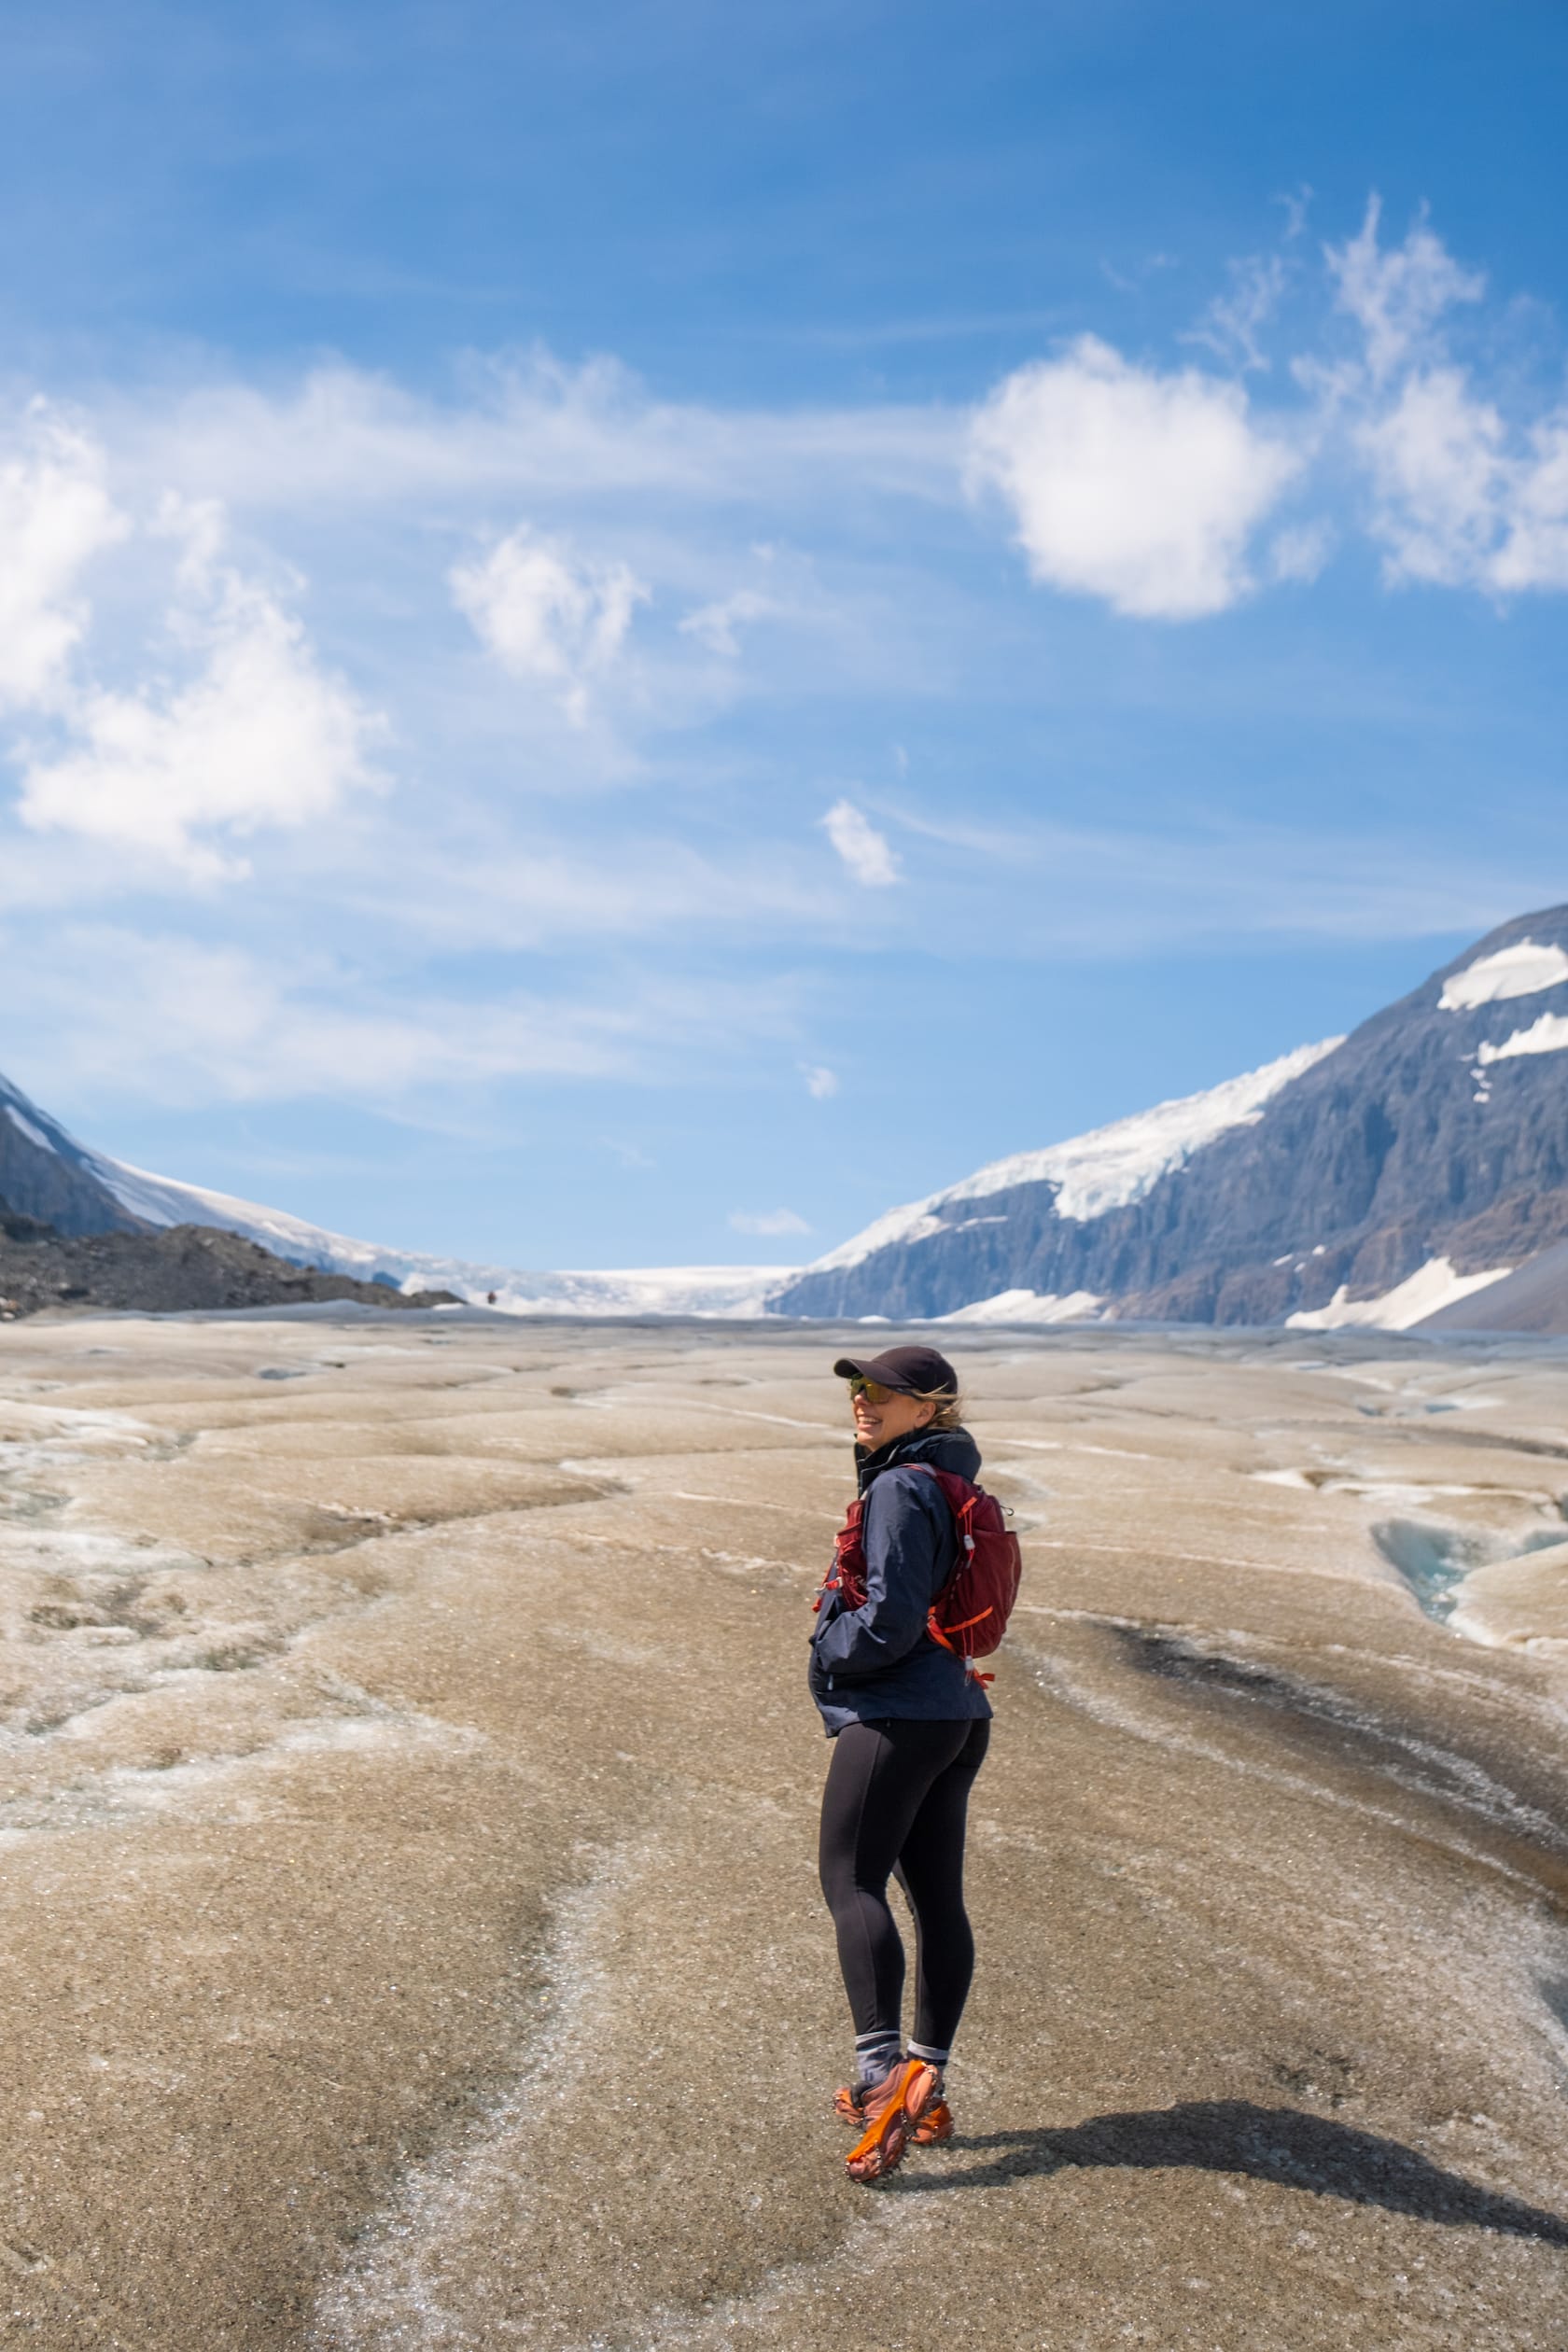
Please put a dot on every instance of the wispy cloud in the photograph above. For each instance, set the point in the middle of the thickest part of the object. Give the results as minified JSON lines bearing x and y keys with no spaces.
{"x":1435,"y":456}
{"x":158,"y":1015}
{"x":546,"y":612}
{"x":179,"y":1020}
{"x":1086,"y":891}
{"x":1232,"y":326}
{"x":1301,"y":550}
{"x":867,"y":854}
{"x":714,"y":624}
{"x":1396,"y":294}
{"x":540,"y":434}
{"x":822,"y":1084}
{"x":767,"y":1221}
{"x":1464,"y":494}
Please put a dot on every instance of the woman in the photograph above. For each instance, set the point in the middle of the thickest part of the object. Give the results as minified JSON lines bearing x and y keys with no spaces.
{"x":909,"y":1724}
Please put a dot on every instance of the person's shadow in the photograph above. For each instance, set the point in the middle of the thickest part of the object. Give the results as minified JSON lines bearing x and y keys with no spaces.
{"x":1283,"y":2145}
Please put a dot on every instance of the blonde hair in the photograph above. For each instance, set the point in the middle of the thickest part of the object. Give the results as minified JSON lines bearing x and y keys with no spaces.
{"x":949,"y":1410}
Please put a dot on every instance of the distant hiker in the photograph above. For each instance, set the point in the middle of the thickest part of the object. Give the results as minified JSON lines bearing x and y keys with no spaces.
{"x":909,"y":1720}
{"x":489,"y":1298}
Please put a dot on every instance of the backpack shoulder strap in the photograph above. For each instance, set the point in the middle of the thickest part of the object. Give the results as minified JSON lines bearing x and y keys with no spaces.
{"x":962,"y":1498}
{"x":961,"y":1494}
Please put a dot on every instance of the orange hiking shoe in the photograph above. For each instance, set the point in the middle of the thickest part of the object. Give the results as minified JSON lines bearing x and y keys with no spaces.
{"x":892,"y":2111}
{"x":933,"y":2130}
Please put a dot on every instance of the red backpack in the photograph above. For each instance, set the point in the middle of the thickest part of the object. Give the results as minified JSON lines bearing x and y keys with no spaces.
{"x":969,"y":1616}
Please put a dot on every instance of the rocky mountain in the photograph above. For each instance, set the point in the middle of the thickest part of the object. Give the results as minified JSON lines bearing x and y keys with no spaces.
{"x":1382,"y":1178}
{"x":173,"y":1271}
{"x":1414,"y":1172}
{"x":45,"y":1173}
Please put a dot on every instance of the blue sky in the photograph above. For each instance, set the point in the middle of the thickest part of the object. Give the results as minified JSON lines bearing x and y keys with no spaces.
{"x":622,"y":626}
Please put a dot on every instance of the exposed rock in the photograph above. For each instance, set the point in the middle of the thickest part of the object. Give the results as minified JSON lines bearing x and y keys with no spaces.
{"x":44,"y":1173}
{"x":170,"y":1272}
{"x":1435,"y":1130}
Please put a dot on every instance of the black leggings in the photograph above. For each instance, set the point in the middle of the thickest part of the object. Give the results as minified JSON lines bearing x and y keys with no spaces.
{"x":896,"y":1801}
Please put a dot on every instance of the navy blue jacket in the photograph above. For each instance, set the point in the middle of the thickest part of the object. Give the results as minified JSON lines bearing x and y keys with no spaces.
{"x":878,"y":1660}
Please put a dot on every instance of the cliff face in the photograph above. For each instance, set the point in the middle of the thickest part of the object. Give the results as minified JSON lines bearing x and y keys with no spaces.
{"x":1439,"y":1129}
{"x":44,"y":1173}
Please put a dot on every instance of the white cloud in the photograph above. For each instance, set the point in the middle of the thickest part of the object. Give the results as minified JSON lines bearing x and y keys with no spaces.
{"x":714,"y":625}
{"x":1141,"y":488}
{"x":867,"y":853}
{"x":1145,"y":488}
{"x":1535,"y":548}
{"x":200,"y":528}
{"x":1462,"y":496}
{"x":1397,"y":297}
{"x":769,"y":1221}
{"x":1460,"y":501}
{"x":784,"y":589}
{"x":546,"y":613}
{"x":262,"y":737}
{"x":1435,"y":457}
{"x":55,"y":515}
{"x":822,"y":1084}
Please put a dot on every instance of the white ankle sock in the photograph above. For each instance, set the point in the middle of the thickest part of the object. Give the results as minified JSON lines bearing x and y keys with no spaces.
{"x":876,"y":2055}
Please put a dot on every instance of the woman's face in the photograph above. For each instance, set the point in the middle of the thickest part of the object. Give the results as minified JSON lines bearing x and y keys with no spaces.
{"x":882,"y":1414}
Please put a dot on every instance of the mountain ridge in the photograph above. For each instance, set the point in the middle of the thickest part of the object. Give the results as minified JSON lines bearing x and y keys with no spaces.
{"x":1391,"y":1177}
{"x":1437,"y":1130}
{"x":43,"y":1163}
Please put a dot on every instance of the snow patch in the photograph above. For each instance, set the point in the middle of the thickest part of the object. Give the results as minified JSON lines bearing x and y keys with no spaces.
{"x":1108,"y":1169}
{"x":1027,"y":1306}
{"x":1521,"y":970}
{"x":1426,"y":1292}
{"x":1548,"y":1035}
{"x":26,"y":1127}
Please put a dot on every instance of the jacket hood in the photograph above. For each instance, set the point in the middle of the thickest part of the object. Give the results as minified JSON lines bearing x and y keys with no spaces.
{"x":952,"y":1450}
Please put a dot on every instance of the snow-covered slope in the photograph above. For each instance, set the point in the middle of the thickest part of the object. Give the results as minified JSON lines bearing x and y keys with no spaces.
{"x":664,"y":1290}
{"x":1373,"y":1179}
{"x":1106,"y":1169}
{"x":45,"y":1172}
{"x":1427,"y":1292}
{"x":1378,"y":1181}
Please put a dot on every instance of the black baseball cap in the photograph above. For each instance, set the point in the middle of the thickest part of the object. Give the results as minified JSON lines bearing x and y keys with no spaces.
{"x":913,"y":1371}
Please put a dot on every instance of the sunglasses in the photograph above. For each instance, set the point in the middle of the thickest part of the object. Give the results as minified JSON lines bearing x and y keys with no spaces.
{"x":873,"y":1390}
